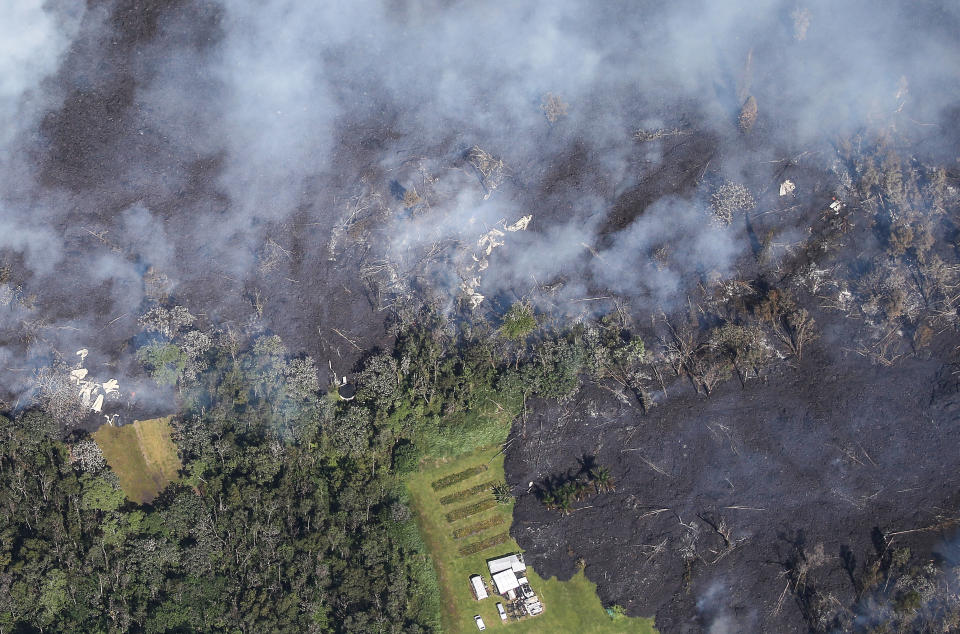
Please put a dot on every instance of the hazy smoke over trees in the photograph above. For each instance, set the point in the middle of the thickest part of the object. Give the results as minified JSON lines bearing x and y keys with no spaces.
{"x":178,"y":138}
{"x":174,"y":172}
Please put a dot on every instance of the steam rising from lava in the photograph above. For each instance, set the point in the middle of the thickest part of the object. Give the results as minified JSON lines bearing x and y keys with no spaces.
{"x":180,"y":138}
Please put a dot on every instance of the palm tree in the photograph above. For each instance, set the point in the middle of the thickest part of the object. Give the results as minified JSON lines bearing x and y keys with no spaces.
{"x":581,"y":490}
{"x":602,"y":480}
{"x":549,"y":501}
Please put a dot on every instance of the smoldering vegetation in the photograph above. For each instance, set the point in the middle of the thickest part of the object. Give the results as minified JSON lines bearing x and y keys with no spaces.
{"x":323,"y":172}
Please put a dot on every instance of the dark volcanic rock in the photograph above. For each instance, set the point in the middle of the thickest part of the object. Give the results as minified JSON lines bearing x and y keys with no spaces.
{"x":828,"y":455}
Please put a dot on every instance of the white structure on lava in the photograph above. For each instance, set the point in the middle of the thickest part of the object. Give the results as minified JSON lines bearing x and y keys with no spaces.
{"x":486,"y":244}
{"x":92,"y":394}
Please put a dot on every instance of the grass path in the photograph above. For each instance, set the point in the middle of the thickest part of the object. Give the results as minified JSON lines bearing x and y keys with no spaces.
{"x":569,"y":606}
{"x":142,"y":455}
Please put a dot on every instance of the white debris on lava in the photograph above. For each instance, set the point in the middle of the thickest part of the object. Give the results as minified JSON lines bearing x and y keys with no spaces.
{"x":481,"y":259}
{"x":490,"y":241}
{"x":521,"y":225}
{"x":787,"y":187}
{"x":489,"y":169}
{"x":91,"y":393}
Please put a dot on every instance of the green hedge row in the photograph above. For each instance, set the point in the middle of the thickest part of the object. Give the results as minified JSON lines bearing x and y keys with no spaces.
{"x":467,"y":493}
{"x":483,"y":544}
{"x":473,"y":509}
{"x":479,"y":527}
{"x":459,"y":476}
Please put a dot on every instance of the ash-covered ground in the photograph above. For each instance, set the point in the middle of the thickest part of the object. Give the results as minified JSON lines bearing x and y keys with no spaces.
{"x":827,"y":454}
{"x":322,"y":171}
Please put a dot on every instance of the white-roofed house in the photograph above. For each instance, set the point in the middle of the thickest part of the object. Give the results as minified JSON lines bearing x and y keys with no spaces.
{"x":506,"y":583}
{"x":510,"y":580}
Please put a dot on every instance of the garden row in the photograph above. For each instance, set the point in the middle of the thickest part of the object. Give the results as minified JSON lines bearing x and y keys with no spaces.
{"x":478,"y":527}
{"x":473,"y":509}
{"x":468,"y":493}
{"x":459,"y":476}
{"x":483,"y":544}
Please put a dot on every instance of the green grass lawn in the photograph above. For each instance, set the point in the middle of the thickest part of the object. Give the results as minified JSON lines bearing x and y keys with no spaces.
{"x":569,"y":606}
{"x":142,"y":455}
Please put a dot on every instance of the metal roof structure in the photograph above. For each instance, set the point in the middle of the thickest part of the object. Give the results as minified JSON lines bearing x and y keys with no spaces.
{"x":478,"y":589}
{"x":512,"y":562}
{"x":505,"y":580}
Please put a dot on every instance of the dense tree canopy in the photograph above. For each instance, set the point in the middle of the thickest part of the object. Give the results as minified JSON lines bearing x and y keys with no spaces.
{"x":275,"y":525}
{"x":290,"y":513}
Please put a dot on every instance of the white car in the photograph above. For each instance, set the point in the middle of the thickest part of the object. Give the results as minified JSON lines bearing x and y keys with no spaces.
{"x":503,"y":613}
{"x":479,"y":622}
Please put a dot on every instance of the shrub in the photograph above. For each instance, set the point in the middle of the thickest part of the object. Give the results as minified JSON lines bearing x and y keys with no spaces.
{"x":411,"y":198}
{"x":555,"y":372}
{"x":553,"y":107}
{"x":730,"y":199}
{"x":459,"y":476}
{"x":907,"y":603}
{"x":745,"y":345}
{"x":473,"y":509}
{"x":165,"y":361}
{"x":467,"y":493}
{"x":379,"y":381}
{"x":518,"y":322}
{"x":165,"y":322}
{"x":483,"y":544}
{"x":406,"y":456}
{"x":478,"y":527}
{"x":87,"y":455}
{"x":352,"y":434}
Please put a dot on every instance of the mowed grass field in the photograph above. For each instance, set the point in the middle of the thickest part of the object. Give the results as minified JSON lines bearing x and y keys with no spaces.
{"x":142,"y":455}
{"x":569,"y":606}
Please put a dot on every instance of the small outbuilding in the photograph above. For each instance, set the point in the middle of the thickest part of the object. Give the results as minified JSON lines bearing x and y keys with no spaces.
{"x":477,"y":588}
{"x":347,"y":391}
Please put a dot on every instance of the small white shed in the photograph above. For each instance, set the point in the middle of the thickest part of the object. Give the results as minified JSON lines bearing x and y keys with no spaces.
{"x":479,"y":591}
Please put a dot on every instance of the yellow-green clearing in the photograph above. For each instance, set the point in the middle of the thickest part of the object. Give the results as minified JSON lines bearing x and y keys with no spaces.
{"x":142,"y":455}
{"x":569,"y":606}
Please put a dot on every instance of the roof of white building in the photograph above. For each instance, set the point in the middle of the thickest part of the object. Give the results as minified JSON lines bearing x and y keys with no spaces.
{"x":478,"y":587}
{"x":510,"y":562}
{"x":505,"y":580}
